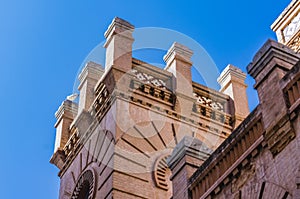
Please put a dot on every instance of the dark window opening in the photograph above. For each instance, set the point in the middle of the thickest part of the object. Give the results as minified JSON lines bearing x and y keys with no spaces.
{"x":84,"y":191}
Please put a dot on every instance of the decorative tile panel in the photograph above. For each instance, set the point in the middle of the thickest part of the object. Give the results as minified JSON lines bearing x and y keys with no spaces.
{"x":206,"y":101}
{"x":149,"y":79}
{"x":291,"y":29}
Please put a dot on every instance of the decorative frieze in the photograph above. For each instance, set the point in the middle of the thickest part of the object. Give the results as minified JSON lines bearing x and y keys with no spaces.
{"x":210,"y":98}
{"x":211,"y":104}
{"x":160,"y":93}
{"x":206,"y":101}
{"x":211,"y":113}
{"x":72,"y":144}
{"x":149,"y":79}
{"x":291,"y":28}
{"x":102,"y":101}
{"x":295,"y":44}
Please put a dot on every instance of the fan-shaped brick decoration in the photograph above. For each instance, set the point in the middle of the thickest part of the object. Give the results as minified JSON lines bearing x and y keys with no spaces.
{"x":162,"y":173}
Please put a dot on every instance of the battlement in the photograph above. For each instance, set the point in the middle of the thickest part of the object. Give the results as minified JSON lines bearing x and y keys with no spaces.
{"x":134,"y":113}
{"x":139,"y":131}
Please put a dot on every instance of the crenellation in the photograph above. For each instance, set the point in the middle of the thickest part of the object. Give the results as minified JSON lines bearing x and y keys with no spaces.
{"x":139,"y":131}
{"x":119,"y":45}
{"x":88,"y":78}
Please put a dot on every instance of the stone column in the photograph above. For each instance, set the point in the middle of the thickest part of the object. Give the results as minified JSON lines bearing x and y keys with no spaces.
{"x":178,"y":62}
{"x":232,"y":81}
{"x":119,"y":45}
{"x":186,"y":158}
{"x":88,"y":78}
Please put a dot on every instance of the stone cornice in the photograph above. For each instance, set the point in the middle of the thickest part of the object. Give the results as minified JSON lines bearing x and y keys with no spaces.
{"x":58,"y":158}
{"x":67,"y":109}
{"x":285,"y":16}
{"x":281,"y":55}
{"x":119,"y":27}
{"x":189,"y":146}
{"x":186,"y":120}
{"x":231,"y":73}
{"x":91,"y":70}
{"x":178,"y":52}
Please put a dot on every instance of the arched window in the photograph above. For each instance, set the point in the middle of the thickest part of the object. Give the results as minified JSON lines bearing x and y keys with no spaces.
{"x":84,"y":191}
{"x":84,"y":188}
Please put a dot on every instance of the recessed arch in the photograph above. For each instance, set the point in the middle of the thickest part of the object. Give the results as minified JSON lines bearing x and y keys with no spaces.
{"x":85,"y":186}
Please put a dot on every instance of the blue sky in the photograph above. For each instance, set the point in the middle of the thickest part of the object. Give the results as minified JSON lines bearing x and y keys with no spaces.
{"x":43,"y":43}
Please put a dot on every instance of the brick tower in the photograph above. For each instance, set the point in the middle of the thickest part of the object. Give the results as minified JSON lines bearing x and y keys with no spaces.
{"x":116,"y":141}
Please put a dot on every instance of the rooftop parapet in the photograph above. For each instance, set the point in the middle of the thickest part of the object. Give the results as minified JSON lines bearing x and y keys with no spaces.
{"x":232,"y":81}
